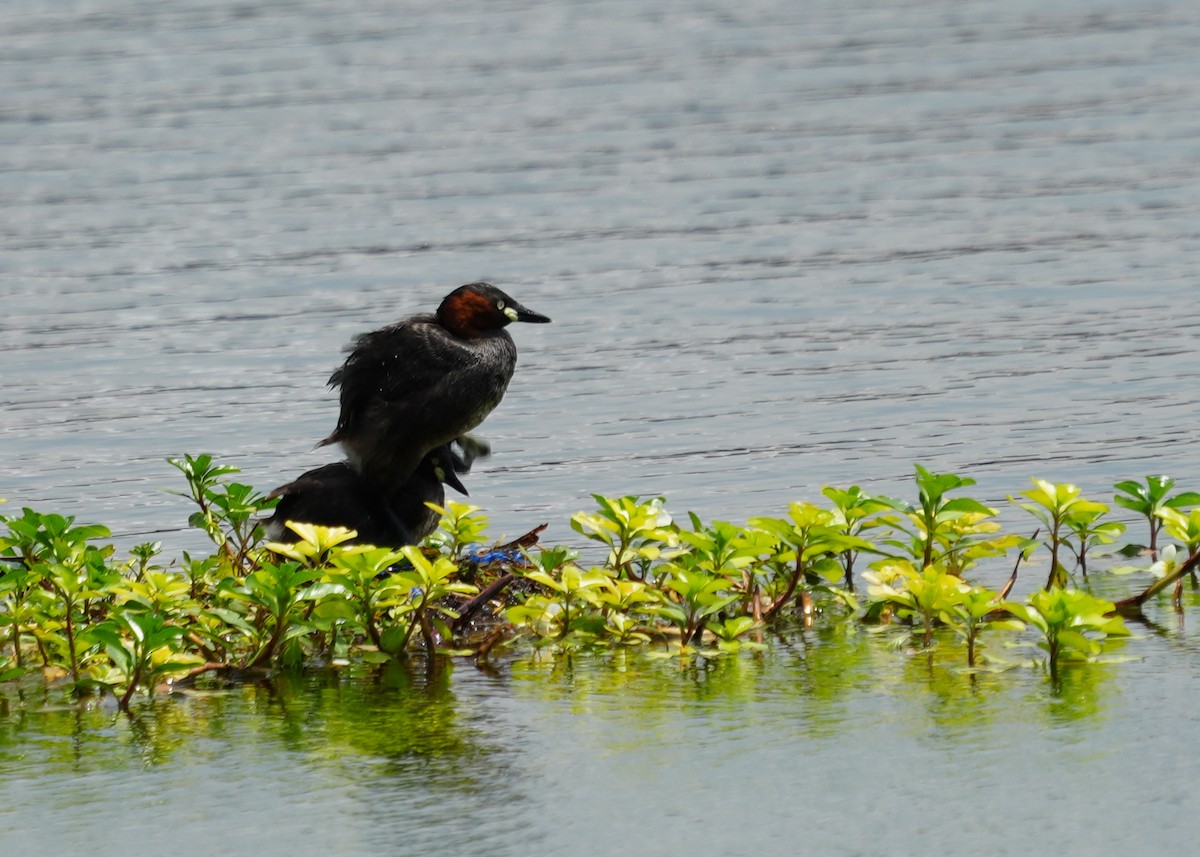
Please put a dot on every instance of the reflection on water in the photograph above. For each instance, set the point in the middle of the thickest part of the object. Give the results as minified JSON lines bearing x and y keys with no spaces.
{"x":384,"y":755}
{"x":823,"y":684}
{"x":556,"y":750}
{"x":404,"y":712}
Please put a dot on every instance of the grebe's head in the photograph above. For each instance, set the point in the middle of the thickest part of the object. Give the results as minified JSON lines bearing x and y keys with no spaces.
{"x":476,"y":308}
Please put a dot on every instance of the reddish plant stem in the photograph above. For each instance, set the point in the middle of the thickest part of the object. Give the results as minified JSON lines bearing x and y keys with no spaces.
{"x":1134,"y":605}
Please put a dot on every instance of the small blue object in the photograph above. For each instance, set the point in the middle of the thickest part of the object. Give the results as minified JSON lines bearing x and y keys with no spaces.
{"x":484,"y":556}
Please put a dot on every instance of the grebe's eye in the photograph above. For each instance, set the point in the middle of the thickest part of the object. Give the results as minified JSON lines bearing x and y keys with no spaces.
{"x":499,"y":304}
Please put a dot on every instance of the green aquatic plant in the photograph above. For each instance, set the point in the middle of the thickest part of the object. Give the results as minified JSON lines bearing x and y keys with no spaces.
{"x":722,"y":549}
{"x":387,"y":595}
{"x":21,"y":590}
{"x":1184,"y":528}
{"x":623,"y":604}
{"x":925,"y":595}
{"x":702,"y":590}
{"x":576,"y":607}
{"x":688,"y":594}
{"x":66,"y":622}
{"x":731,"y":634}
{"x":974,"y":610}
{"x":460,"y":527}
{"x":19,"y":614}
{"x":1061,"y":509}
{"x":141,"y":558}
{"x":955,"y":531}
{"x":431,"y":583}
{"x":60,"y":578}
{"x":1149,"y":499}
{"x":855,"y":512}
{"x":1074,"y":624}
{"x":697,"y":597}
{"x":229,"y":512}
{"x":159,"y":591}
{"x":36,"y":537}
{"x":1090,"y":531}
{"x":935,"y":596}
{"x":572,"y":602}
{"x":635,"y":531}
{"x":268,"y":607}
{"x":144,"y":647}
{"x":358,"y":592}
{"x":811,"y":541}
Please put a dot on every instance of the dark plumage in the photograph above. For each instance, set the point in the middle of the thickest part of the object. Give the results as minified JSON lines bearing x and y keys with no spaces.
{"x":337,"y":495}
{"x":416,"y":385}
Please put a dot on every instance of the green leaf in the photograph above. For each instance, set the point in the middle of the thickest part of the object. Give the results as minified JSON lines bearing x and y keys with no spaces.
{"x":965,"y":505}
{"x":392,"y":639}
{"x":1077,"y":641}
{"x":335,"y":608}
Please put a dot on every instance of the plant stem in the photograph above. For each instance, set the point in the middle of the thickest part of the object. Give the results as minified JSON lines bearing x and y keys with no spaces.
{"x":69,"y":628}
{"x":134,"y":678}
{"x":472,"y":607}
{"x":418,"y":616}
{"x":1134,"y":604}
{"x":1058,"y":577}
{"x":427,"y":635}
{"x":1007,"y":588}
{"x":368,"y":617}
{"x":16,"y":643}
{"x":264,"y":654}
{"x":787,"y":595}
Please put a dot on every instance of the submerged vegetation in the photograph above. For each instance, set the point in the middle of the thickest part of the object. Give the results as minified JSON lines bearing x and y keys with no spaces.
{"x":74,"y":612}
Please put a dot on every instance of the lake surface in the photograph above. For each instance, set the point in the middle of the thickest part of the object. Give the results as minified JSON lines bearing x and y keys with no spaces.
{"x":783,"y":245}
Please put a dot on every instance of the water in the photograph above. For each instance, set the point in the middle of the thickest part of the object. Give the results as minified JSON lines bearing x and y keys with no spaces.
{"x":784,"y":245}
{"x":829,"y":746}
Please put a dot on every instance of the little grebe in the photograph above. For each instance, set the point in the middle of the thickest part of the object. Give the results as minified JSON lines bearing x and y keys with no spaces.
{"x":414,"y":386}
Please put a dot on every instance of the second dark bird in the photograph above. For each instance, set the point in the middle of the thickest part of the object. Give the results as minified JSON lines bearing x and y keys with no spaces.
{"x":337,"y":495}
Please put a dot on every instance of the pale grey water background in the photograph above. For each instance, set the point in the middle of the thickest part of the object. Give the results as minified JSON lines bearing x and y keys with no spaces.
{"x":784,"y":245}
